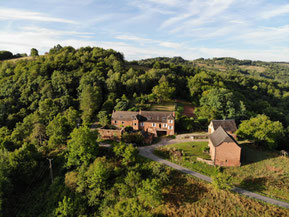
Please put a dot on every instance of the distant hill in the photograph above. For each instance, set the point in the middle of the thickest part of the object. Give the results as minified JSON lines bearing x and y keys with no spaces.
{"x":270,"y":70}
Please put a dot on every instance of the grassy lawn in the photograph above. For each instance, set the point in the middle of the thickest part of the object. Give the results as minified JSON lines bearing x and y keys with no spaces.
{"x":165,"y":106}
{"x":263,"y":172}
{"x":190,"y":151}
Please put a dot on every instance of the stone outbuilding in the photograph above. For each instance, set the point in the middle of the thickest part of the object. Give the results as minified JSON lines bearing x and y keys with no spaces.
{"x":224,"y":149}
{"x":228,"y":125}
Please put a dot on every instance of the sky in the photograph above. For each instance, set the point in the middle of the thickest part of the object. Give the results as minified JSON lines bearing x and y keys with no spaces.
{"x":244,"y":29}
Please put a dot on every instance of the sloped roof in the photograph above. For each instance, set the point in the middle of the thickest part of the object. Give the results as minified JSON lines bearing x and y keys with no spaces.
{"x":124,"y":115}
{"x":227,"y":125}
{"x":151,"y":116}
{"x":219,"y":136}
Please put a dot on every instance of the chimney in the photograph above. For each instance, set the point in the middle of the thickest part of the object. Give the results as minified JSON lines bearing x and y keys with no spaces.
{"x":174,"y":114}
{"x":139,"y":112}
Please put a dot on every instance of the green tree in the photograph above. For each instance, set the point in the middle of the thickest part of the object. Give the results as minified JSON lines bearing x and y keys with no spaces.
{"x":38,"y":135}
{"x":122,"y":103}
{"x":199,"y":83}
{"x":65,"y":208}
{"x":220,"y":103}
{"x":90,"y":101}
{"x":82,"y":147}
{"x":5,"y":181}
{"x":4,"y":55}
{"x":164,"y":91}
{"x":126,"y":152}
{"x":34,"y":52}
{"x":5,"y":140}
{"x":94,"y":181}
{"x":262,"y":130}
{"x":58,"y":131}
{"x":103,"y":118}
{"x":73,"y":117}
{"x":149,"y":193}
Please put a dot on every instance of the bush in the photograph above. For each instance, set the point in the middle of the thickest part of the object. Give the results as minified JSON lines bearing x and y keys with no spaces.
{"x":5,"y":55}
{"x":222,"y":181}
{"x":136,"y":137}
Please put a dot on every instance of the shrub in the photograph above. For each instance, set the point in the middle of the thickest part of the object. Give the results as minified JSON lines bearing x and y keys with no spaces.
{"x":222,"y":181}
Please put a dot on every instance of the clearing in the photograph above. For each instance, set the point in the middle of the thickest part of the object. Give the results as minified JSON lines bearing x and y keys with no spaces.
{"x":262,"y":172}
{"x":165,"y":106}
{"x":187,"y":196}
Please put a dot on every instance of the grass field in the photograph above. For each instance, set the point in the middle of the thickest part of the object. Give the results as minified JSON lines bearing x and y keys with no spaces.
{"x":187,"y":196}
{"x":254,"y":68}
{"x":165,"y":106}
{"x":18,"y":59}
{"x":191,"y":151}
{"x":263,"y":172}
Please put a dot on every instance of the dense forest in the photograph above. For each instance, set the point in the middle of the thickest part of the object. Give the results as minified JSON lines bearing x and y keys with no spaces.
{"x":48,"y":103}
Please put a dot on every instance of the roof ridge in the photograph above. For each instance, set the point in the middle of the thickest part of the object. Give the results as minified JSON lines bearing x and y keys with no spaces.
{"x":219,"y":136}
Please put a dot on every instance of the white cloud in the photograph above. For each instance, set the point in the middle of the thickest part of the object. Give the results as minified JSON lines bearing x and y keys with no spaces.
{"x":134,"y":38}
{"x":166,"y":2}
{"x":20,"y":42}
{"x":266,"y":35}
{"x":170,"y":44}
{"x":147,"y":41}
{"x":148,"y":8}
{"x":16,"y":14}
{"x":196,"y":13}
{"x":51,"y":32}
{"x":274,"y":54}
{"x":176,"y":19}
{"x":284,"y":9}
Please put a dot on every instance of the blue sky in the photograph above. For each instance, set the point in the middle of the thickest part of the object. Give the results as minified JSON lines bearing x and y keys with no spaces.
{"x":244,"y":29}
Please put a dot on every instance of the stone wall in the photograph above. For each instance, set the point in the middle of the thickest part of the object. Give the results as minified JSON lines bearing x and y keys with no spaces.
{"x":228,"y":154}
{"x":110,"y":134}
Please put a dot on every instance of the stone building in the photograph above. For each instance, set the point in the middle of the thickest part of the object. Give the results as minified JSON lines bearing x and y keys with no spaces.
{"x":154,"y":122}
{"x":224,"y":149}
{"x":228,"y":125}
{"x":110,"y":134}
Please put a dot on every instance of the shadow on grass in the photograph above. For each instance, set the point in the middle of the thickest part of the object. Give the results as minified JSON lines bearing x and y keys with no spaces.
{"x":252,"y":155}
{"x":254,"y":184}
{"x":182,"y":191}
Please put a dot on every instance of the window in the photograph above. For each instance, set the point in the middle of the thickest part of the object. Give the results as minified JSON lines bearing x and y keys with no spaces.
{"x":171,"y":121}
{"x":171,"y":127}
{"x":165,"y":125}
{"x":122,"y":122}
{"x":142,"y":124}
{"x":154,"y":124}
{"x":115,"y":122}
{"x":134,"y":124}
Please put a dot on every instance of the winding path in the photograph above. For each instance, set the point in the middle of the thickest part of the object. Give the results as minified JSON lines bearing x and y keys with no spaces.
{"x":147,"y":151}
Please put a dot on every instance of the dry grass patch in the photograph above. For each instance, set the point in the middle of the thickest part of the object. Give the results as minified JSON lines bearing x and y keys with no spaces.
{"x":165,"y":106}
{"x":262,"y":172}
{"x":254,"y":68}
{"x":186,"y":196}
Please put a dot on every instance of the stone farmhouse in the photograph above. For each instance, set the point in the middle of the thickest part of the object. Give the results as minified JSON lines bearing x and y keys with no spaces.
{"x":153,"y":122}
{"x":224,"y":149}
{"x":228,"y":125}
